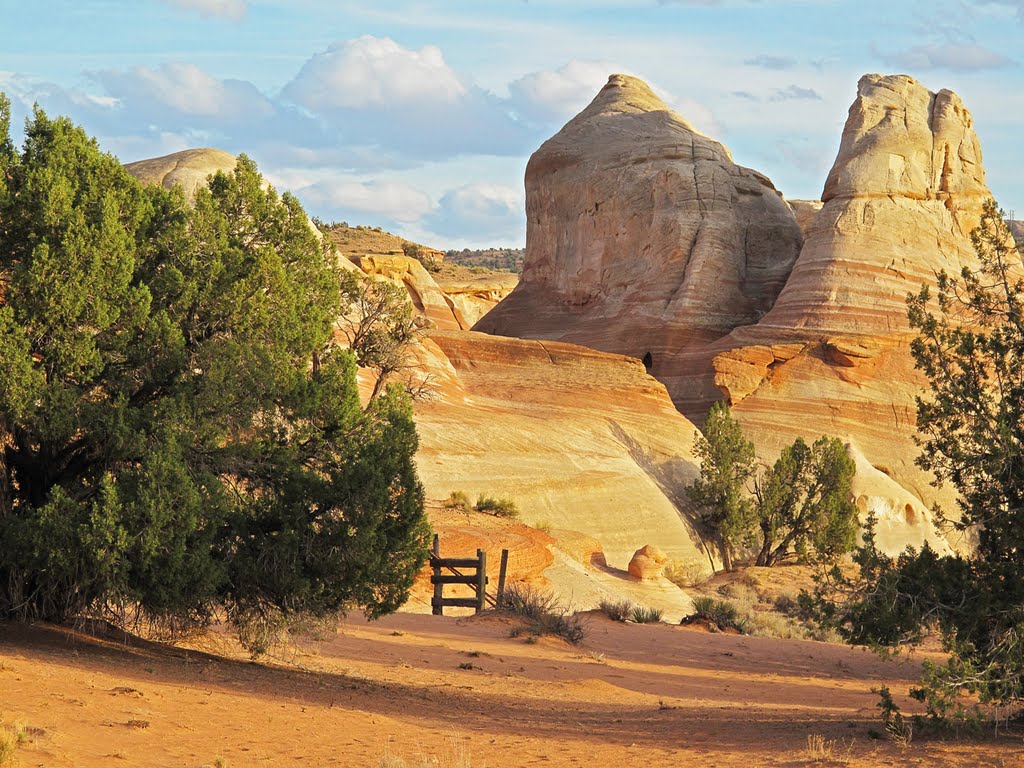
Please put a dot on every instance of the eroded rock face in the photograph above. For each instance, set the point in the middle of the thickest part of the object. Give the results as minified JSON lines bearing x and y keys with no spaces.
{"x":643,"y":235}
{"x":427,"y":298}
{"x":475,"y":297}
{"x":580,"y":440}
{"x":188,"y":169}
{"x":900,"y":202}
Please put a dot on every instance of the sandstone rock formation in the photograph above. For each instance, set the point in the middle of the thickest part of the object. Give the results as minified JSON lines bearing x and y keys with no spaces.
{"x":805,"y":212}
{"x":581,"y":440}
{"x":647,"y":563}
{"x":189,"y":169}
{"x":643,"y":236}
{"x":475,"y":297}
{"x":427,"y":298}
{"x":832,"y":356}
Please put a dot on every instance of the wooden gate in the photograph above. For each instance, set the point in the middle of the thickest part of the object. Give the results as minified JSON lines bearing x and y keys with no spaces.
{"x":449,"y":570}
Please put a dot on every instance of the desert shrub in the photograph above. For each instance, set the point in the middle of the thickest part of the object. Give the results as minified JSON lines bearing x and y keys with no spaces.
{"x":688,"y":573}
{"x":645,"y":615}
{"x":616,"y":610}
{"x":786,"y":604}
{"x":458,"y":500}
{"x":543,"y":611}
{"x":718,"y":613}
{"x":523,"y":600}
{"x":496,"y":507}
{"x":544,"y":526}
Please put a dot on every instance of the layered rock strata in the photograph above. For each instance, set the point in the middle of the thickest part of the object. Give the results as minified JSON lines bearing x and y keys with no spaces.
{"x":832,"y":354}
{"x":643,"y":236}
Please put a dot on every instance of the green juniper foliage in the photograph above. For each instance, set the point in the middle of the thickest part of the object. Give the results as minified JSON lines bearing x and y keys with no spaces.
{"x":177,"y":435}
{"x":728,"y":464}
{"x":800,"y":507}
{"x":970,"y":345}
{"x":803,"y":503}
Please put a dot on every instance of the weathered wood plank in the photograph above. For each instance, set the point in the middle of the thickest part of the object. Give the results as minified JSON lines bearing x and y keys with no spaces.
{"x":445,"y":578}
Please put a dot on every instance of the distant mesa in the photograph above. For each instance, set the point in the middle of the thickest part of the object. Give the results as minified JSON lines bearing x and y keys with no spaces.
{"x":189,"y":169}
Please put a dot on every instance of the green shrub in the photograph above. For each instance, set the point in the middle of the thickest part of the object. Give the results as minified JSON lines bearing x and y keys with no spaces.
{"x":616,"y":610}
{"x":641,"y":615}
{"x":457,"y":500}
{"x":718,"y":613}
{"x":497,"y":507}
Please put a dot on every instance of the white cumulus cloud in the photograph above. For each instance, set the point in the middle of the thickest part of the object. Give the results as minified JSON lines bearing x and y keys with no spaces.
{"x":374,"y":72}
{"x":560,"y":93}
{"x":484,"y":212}
{"x":187,"y":90}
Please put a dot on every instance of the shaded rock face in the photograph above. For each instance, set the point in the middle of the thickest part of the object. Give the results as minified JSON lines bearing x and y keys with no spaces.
{"x":189,"y":169}
{"x":643,"y":235}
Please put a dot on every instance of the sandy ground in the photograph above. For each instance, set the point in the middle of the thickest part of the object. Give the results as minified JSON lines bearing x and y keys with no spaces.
{"x":463,"y":692}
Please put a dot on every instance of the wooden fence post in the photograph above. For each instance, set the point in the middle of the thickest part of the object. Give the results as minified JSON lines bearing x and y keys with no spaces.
{"x":436,"y":606}
{"x":501,"y":576}
{"x":481,"y":583}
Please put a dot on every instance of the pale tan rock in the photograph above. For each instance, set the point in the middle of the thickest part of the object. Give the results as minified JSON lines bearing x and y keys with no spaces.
{"x":906,"y":189}
{"x":426,"y":296}
{"x":643,"y":235}
{"x":475,"y":297}
{"x":647,"y":563}
{"x":580,"y":440}
{"x":805,"y":211}
{"x":189,"y":169}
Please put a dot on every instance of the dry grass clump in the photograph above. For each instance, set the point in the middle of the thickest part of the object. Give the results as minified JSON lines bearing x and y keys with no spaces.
{"x":545,"y":615}
{"x":616,"y":610}
{"x":687,"y":573}
{"x":645,"y":615}
{"x":497,"y":507}
{"x":456,"y":756}
{"x":819,"y":749}
{"x":457,"y":500}
{"x":8,"y":746}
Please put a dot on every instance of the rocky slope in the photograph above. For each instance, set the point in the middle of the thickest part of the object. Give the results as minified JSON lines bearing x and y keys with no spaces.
{"x":643,"y":235}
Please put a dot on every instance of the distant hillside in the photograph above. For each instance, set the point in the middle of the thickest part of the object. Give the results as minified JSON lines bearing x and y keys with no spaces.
{"x":363,"y":240}
{"x":500,"y":259}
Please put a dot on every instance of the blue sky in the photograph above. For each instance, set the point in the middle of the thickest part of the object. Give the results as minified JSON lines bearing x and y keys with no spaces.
{"x":419,"y":115}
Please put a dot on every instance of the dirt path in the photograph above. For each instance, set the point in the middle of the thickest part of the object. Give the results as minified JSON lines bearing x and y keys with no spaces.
{"x":461,"y":691}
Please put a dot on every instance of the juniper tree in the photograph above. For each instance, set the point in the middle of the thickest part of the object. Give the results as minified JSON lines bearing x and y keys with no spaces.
{"x":970,"y":346}
{"x":166,"y":447}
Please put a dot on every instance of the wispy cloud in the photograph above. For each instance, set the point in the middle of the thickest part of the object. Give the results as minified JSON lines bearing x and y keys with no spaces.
{"x":963,"y":56}
{"x":225,"y":9}
{"x":795,"y":93}
{"x":764,"y":61}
